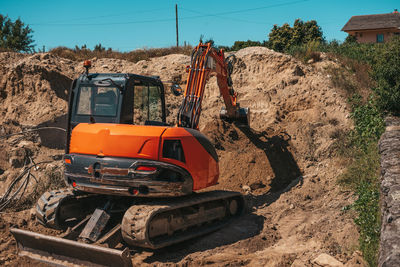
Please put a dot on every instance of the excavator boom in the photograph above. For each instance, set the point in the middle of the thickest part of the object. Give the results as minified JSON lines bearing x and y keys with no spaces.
{"x":206,"y":60}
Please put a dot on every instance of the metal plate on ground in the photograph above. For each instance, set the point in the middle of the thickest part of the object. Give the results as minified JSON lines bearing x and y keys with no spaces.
{"x":63,"y":252}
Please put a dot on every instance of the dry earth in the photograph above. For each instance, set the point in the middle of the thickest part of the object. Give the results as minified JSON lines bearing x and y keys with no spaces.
{"x":286,"y":163}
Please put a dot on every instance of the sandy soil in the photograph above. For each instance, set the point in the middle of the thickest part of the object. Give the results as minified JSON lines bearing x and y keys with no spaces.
{"x":285,"y":163}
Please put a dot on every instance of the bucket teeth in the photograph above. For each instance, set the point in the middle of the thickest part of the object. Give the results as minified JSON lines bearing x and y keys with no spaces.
{"x":242,"y":116}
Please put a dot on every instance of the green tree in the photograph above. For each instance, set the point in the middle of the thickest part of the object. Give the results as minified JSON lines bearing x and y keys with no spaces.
{"x":350,"y":39}
{"x":386,"y":72}
{"x":283,"y":37}
{"x":15,"y":36}
{"x":99,"y":48}
{"x":243,"y":44}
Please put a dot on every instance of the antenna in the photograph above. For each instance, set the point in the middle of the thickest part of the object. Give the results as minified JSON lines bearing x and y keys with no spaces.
{"x":176,"y":18}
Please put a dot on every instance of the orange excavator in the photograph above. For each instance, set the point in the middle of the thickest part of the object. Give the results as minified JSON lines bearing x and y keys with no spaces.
{"x":133,"y":179}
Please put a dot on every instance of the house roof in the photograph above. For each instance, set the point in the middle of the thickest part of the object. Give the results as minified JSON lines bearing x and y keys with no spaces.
{"x":370,"y":22}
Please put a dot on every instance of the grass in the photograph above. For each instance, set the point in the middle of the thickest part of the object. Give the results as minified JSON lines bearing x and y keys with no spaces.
{"x":78,"y":54}
{"x":362,"y":176}
{"x":360,"y":149}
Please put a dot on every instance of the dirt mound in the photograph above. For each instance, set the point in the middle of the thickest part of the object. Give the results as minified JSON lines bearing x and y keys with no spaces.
{"x":34,"y":88}
{"x":285,"y":163}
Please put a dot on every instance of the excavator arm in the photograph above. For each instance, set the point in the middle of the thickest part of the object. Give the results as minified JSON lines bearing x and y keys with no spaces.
{"x":206,"y":60}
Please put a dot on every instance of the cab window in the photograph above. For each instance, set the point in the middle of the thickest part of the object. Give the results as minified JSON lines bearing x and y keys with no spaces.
{"x":98,"y":101}
{"x":147,"y":104}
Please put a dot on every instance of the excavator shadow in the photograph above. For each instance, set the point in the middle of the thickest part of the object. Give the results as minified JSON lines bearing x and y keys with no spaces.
{"x":287,"y":173}
{"x":247,"y":226}
{"x":53,"y":137}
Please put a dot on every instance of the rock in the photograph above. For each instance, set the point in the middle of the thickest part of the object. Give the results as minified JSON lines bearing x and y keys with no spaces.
{"x":298,"y":71}
{"x":57,"y":157}
{"x":18,"y":156}
{"x":16,"y":162}
{"x":356,"y":260}
{"x":50,"y":167}
{"x":246,"y":188}
{"x":25,"y":144}
{"x":21,"y":222}
{"x":32,"y":213}
{"x":298,"y":263}
{"x":44,"y":56}
{"x":390,"y":187}
{"x":257,"y":185}
{"x":327,"y":260}
{"x":293,"y":81}
{"x":252,"y":160}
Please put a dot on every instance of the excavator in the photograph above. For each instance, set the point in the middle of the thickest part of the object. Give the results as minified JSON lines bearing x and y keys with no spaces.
{"x":133,"y":180}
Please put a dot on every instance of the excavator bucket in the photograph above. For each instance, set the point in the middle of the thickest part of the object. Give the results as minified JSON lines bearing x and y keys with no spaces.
{"x":64,"y":252}
{"x":242,"y":116}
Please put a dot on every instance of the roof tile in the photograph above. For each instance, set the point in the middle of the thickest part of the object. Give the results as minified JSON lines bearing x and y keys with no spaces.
{"x":369,"y":22}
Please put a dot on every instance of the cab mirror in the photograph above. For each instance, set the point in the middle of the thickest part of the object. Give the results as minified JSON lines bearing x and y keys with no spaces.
{"x":176,"y":89}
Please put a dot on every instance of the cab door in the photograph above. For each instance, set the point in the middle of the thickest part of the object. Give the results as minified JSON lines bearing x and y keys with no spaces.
{"x":148,"y":104}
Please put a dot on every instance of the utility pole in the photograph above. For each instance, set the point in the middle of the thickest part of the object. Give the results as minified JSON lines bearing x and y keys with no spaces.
{"x":176,"y":16}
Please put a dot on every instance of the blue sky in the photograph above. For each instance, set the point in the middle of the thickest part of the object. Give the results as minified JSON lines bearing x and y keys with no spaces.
{"x":128,"y":24}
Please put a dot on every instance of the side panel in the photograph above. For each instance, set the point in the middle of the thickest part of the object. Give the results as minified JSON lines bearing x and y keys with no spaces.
{"x":116,"y":140}
{"x":201,"y":164}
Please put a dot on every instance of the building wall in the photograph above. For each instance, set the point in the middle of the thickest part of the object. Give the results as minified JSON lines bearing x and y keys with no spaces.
{"x":370,"y":35}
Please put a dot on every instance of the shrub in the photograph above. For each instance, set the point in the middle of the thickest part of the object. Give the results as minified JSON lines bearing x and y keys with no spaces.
{"x":307,"y":51}
{"x":84,"y":53}
{"x":243,"y":44}
{"x":15,"y":36}
{"x":386,"y":72}
{"x":368,"y":121}
{"x":360,"y":148}
{"x":284,"y":37}
{"x":367,"y":206}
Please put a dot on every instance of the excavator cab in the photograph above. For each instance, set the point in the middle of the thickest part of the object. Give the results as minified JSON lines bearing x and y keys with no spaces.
{"x":117,"y":98}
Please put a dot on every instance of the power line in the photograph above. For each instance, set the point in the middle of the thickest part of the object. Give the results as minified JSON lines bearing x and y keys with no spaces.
{"x":222,"y":17}
{"x":98,"y":17}
{"x":256,"y":8}
{"x":173,"y":19}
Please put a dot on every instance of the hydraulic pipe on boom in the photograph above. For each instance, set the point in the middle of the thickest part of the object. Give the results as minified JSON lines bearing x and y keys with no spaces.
{"x":206,"y":60}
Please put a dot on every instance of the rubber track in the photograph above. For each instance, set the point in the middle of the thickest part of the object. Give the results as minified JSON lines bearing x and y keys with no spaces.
{"x":47,"y":205}
{"x":138,"y":217}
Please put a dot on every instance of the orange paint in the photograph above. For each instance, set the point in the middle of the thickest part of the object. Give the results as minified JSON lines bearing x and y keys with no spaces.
{"x":145,"y":142}
{"x":116,"y":140}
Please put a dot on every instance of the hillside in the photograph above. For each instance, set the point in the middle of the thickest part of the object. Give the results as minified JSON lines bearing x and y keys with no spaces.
{"x":286,"y":162}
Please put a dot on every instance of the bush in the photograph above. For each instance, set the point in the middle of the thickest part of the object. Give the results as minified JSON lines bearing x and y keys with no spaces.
{"x":386,"y":72}
{"x":361,"y":146}
{"x":284,"y":37}
{"x":15,"y":36}
{"x":84,"y":53}
{"x":307,"y":51}
{"x":368,"y":121}
{"x":367,"y":206}
{"x":360,"y":52}
{"x":243,"y":44}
